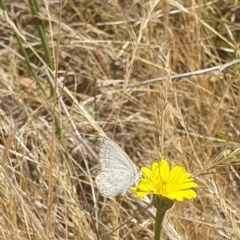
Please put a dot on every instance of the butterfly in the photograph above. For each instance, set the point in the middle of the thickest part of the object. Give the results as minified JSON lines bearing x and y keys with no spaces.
{"x":117,"y":173}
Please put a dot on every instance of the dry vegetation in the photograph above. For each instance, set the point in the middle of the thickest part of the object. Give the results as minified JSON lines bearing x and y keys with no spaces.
{"x":47,"y":173}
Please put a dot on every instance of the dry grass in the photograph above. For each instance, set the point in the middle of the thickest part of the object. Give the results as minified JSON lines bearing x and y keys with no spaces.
{"x":47,"y":176}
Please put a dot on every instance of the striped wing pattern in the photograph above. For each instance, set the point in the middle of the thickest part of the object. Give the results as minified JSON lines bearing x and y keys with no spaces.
{"x":118,"y":172}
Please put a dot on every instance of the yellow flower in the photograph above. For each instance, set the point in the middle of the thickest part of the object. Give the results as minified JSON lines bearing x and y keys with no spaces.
{"x":174,"y":184}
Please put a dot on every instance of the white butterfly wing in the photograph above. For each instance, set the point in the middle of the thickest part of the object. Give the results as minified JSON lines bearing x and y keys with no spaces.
{"x":112,"y":156}
{"x":112,"y":182}
{"x":118,"y":172}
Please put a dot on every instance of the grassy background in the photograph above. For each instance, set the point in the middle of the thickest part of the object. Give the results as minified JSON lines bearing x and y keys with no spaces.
{"x":50,"y":131}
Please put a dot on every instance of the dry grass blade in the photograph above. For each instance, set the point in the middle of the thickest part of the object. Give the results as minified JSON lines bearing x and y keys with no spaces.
{"x":193,"y":122}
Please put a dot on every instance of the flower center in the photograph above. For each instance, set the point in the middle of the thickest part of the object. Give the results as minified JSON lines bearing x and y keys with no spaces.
{"x":162,"y":187}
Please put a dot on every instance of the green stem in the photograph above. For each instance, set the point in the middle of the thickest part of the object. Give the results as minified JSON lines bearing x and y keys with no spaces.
{"x":42,"y":34}
{"x":23,"y":51}
{"x":162,"y":204}
{"x":158,"y":223}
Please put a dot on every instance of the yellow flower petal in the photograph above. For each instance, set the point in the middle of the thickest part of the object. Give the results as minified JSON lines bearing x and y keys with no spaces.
{"x":146,"y":171}
{"x":164,"y":169}
{"x":141,"y":195}
{"x":175,"y":183}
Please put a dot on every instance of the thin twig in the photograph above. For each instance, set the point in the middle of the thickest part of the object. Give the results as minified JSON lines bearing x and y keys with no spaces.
{"x":84,"y":112}
{"x":219,"y":69}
